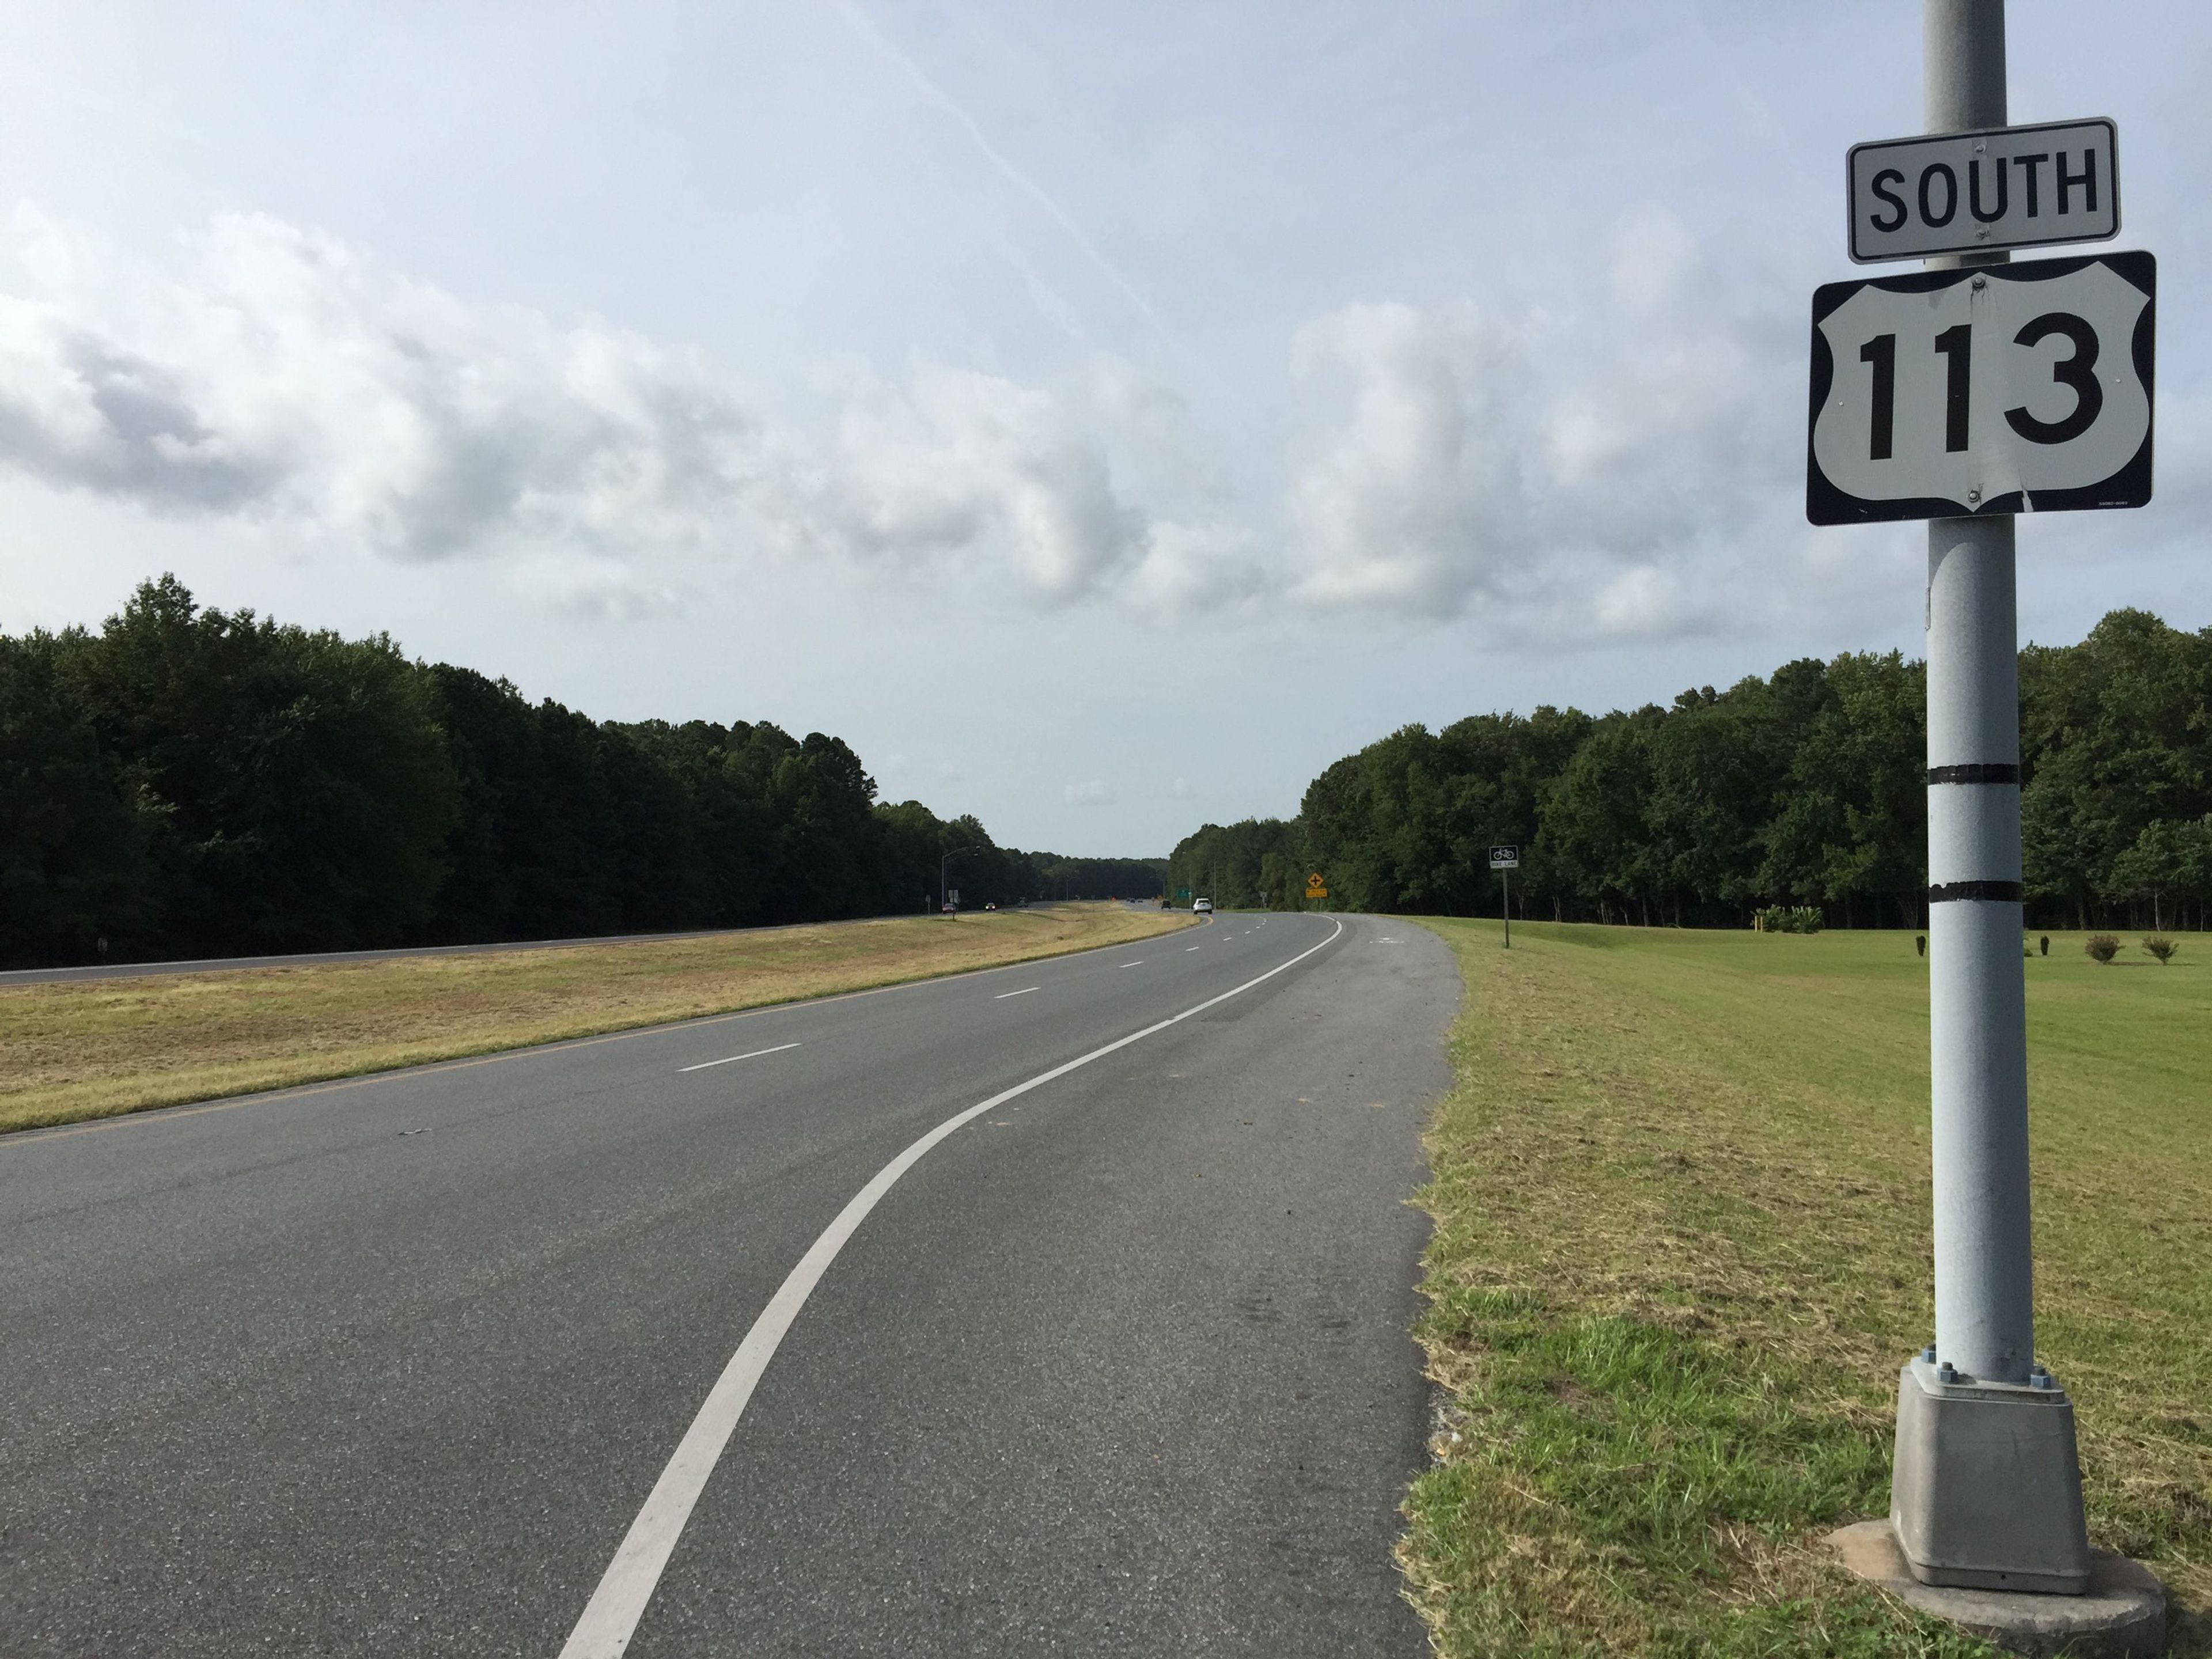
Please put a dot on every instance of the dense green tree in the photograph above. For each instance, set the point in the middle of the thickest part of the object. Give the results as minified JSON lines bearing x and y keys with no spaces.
{"x":74,"y":828}
{"x":300,"y":781}
{"x":2169,"y":865}
{"x":1807,"y":786}
{"x":1230,"y":865}
{"x":1592,"y":841}
{"x":1715,"y":764}
{"x":1852,"y":820}
{"x":2114,"y":737}
{"x":189,"y":782}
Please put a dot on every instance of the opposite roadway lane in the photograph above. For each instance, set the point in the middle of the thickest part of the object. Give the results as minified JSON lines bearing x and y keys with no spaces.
{"x":1119,"y":1366}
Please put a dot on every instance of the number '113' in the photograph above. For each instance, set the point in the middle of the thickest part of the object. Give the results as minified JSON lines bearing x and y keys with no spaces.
{"x":1956,"y":346}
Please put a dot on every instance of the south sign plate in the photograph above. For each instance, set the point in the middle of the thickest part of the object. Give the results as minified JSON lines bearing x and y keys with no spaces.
{"x":2001,"y":187}
{"x":2023,"y":388}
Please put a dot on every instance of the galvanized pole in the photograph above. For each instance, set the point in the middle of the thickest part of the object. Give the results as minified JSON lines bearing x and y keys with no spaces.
{"x":1986,"y":1491}
{"x":1507,"y":877}
{"x":1985,"y":1311}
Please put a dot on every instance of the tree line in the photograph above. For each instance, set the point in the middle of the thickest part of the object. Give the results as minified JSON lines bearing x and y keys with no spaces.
{"x":193,"y":782}
{"x":1805,"y":787}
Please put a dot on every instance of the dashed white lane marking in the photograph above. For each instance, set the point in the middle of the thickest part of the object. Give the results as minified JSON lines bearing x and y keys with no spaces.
{"x":611,"y":1617}
{"x":1023,"y":991}
{"x":1190,"y":947}
{"x":733,"y":1059}
{"x":1138,"y":963}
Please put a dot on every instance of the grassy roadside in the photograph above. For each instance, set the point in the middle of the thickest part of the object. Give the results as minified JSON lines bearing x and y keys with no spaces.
{"x":94,"y":1048}
{"x":1681,"y":1203}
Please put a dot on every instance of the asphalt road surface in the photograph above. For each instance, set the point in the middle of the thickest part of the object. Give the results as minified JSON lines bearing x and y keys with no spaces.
{"x":1118,"y":1365}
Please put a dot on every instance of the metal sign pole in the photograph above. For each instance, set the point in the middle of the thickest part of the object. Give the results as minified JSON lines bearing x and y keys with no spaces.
{"x":1986,"y":1491}
{"x":1985,"y":1316}
{"x":1506,"y":876}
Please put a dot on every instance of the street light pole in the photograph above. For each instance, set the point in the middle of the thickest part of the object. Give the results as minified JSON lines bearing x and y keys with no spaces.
{"x":941,"y":899}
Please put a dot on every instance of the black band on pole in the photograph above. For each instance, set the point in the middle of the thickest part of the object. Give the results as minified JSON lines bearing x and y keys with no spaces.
{"x":1977,"y":772}
{"x":2005,"y":892}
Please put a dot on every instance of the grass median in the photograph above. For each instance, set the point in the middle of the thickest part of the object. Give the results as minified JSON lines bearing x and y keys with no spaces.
{"x":97,"y":1047}
{"x":1682,"y":1201}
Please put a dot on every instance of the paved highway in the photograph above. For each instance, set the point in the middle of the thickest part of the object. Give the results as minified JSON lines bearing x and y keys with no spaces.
{"x":691,"y":1341}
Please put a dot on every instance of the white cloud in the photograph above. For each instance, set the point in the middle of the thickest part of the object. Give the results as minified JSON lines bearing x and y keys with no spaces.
{"x":1187,"y":569}
{"x":1623,"y":465}
{"x":595,"y":589}
{"x":1092,"y":792}
{"x":959,"y":463}
{"x":279,"y":376}
{"x":1561,"y":466}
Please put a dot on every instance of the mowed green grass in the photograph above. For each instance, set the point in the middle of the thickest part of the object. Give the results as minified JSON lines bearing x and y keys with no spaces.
{"x":1681,"y":1198}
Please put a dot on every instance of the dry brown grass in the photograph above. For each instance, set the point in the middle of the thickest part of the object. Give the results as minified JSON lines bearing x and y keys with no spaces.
{"x":94,"y":1049}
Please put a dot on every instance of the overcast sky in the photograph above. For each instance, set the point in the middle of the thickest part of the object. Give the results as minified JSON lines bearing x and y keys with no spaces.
{"x":1103,"y":415}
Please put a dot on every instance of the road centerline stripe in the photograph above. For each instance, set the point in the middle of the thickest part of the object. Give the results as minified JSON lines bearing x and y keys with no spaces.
{"x":733,"y":1059}
{"x":611,"y":1617}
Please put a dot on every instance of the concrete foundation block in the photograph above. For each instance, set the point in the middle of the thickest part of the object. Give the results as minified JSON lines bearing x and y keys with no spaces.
{"x":1986,"y":1491}
{"x":2120,"y":1612}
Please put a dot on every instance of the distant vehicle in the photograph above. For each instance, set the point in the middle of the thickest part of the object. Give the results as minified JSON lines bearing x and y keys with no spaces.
{"x":1199,"y":907}
{"x":951,"y":909}
{"x":990,"y":906}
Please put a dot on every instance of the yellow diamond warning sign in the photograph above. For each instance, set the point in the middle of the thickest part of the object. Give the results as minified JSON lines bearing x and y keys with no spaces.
{"x":1316,"y":888}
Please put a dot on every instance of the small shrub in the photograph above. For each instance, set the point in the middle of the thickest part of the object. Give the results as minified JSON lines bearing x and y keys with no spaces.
{"x":2043,"y":946}
{"x":1920,"y":945}
{"x":1790,"y":918}
{"x":2161,"y":947}
{"x":2102,"y":946}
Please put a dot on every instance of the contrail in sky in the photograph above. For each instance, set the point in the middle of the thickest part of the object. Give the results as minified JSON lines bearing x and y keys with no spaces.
{"x":875,"y":37}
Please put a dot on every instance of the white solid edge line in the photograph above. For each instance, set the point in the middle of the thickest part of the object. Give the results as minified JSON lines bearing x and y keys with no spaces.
{"x":755,"y":1054}
{"x":610,"y":1619}
{"x":1023,"y":991}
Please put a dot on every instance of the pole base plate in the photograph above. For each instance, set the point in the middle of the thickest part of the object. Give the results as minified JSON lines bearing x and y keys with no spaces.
{"x":1986,"y":1493}
{"x":2120,"y":1615}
